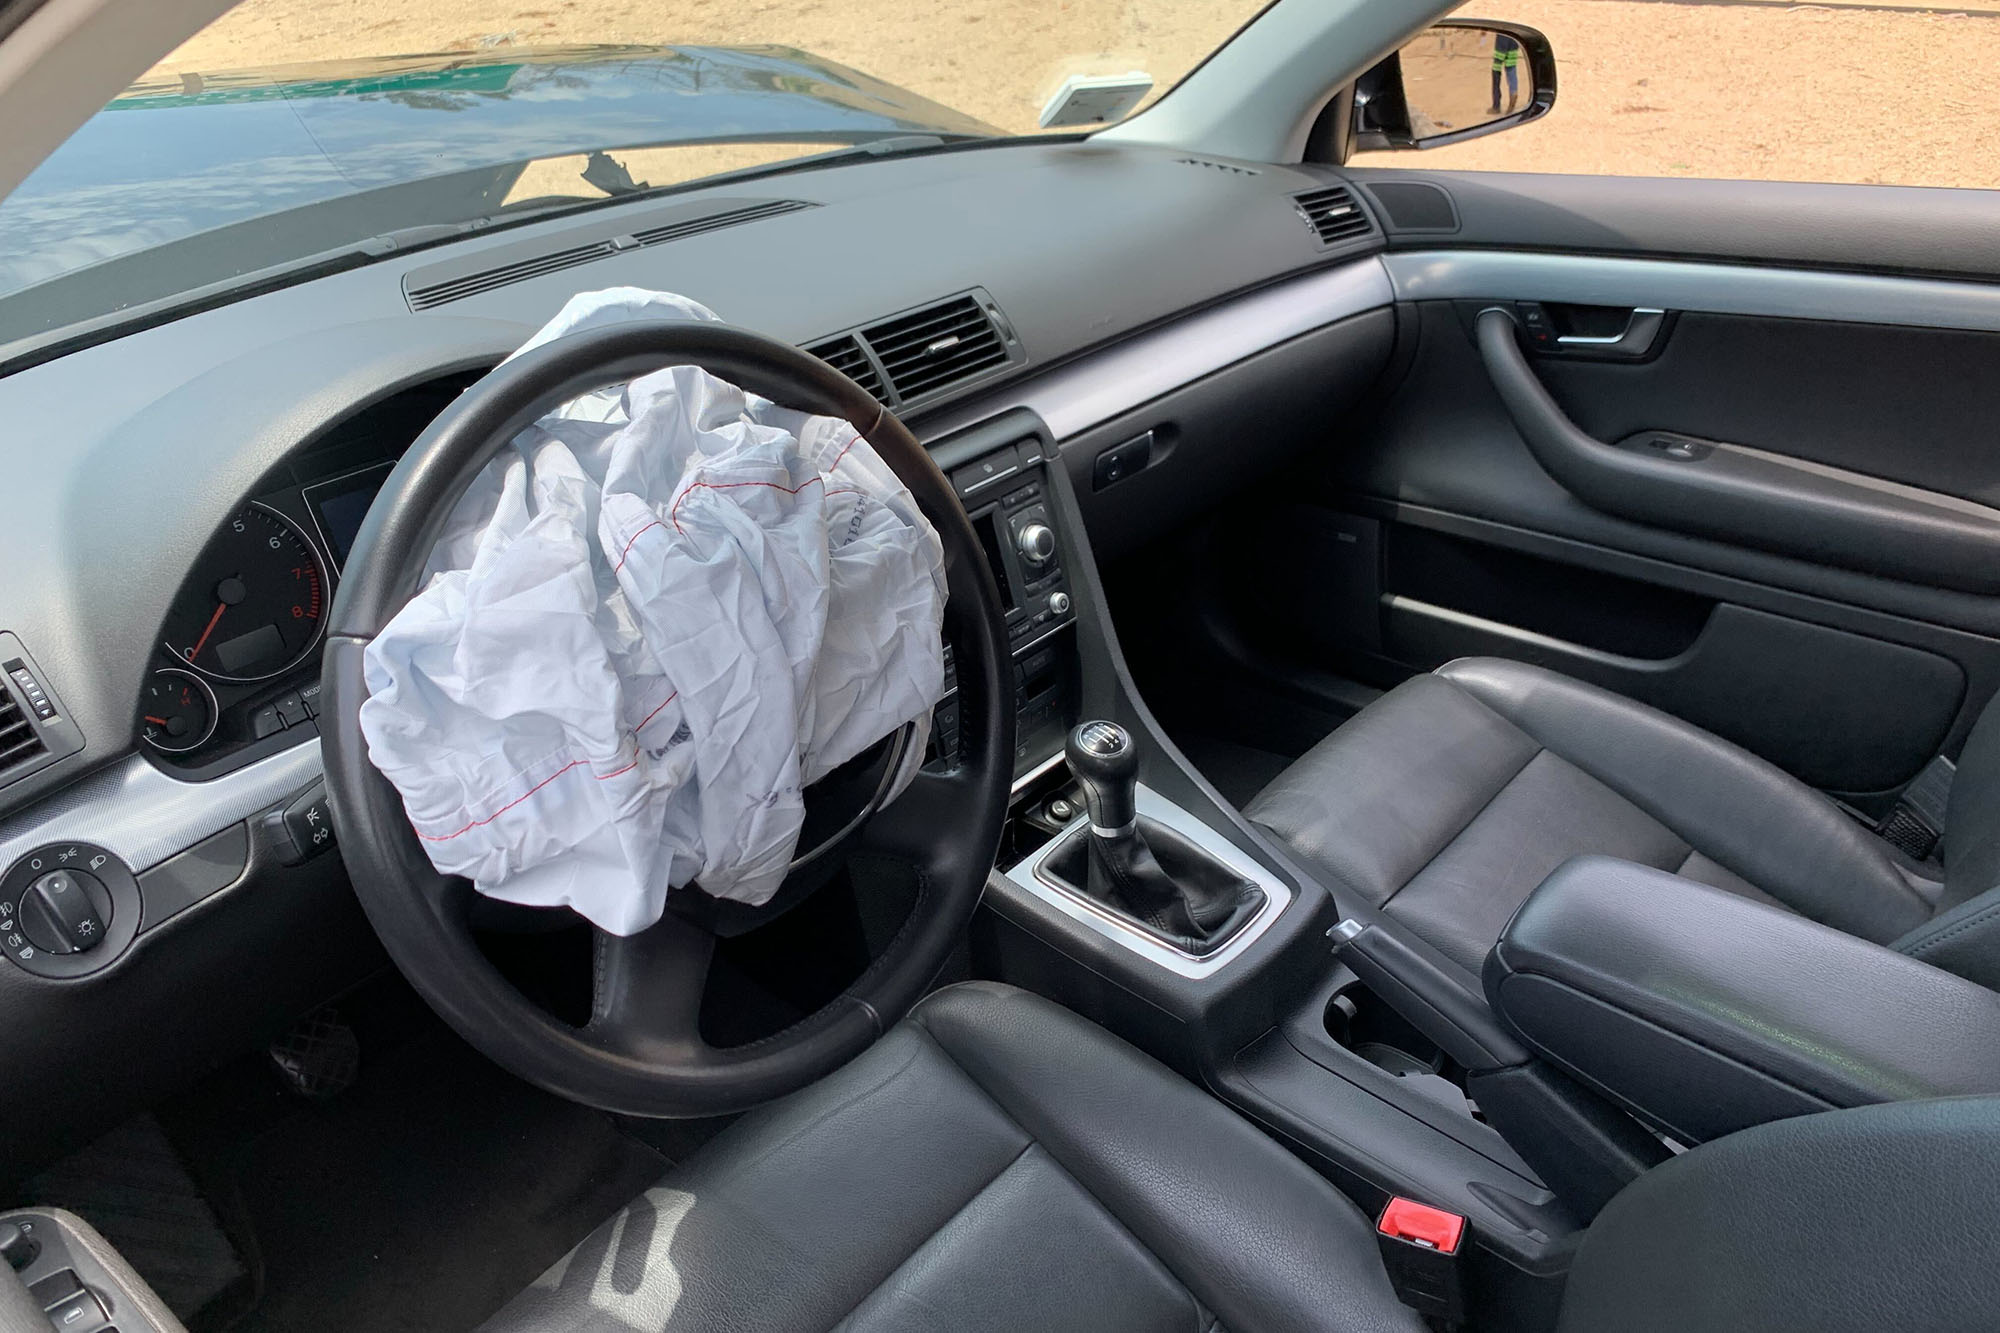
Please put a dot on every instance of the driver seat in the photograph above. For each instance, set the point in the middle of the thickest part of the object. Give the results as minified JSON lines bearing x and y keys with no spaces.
{"x":993,"y":1162}
{"x":996,"y":1162}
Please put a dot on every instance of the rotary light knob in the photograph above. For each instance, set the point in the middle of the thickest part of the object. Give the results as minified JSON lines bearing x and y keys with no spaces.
{"x":1036,"y":543}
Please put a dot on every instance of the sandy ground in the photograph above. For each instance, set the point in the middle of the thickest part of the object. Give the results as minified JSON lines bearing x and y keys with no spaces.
{"x":1802,"y":93}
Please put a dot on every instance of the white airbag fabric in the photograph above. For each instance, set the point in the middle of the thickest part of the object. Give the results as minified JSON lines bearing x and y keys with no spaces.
{"x":658,"y":615}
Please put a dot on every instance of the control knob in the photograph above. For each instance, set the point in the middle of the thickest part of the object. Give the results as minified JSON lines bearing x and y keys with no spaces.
{"x":1036,"y":543}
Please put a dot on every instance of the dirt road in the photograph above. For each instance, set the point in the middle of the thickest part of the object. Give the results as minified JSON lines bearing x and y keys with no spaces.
{"x":1804,"y":93}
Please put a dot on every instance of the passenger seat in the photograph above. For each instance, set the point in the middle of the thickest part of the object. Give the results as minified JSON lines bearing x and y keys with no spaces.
{"x":1445,"y":802}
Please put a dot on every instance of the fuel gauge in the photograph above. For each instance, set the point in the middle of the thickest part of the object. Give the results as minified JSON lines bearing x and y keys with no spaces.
{"x":176,"y":711}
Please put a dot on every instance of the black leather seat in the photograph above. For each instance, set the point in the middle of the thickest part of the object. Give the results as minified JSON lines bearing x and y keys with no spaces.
{"x":1445,"y":802}
{"x":994,"y":1162}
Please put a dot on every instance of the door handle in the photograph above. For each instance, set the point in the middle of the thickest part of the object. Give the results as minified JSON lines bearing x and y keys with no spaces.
{"x":1745,"y":496}
{"x":1642,"y":326}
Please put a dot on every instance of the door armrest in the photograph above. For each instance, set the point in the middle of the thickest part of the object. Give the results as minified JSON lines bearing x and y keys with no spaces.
{"x":1704,"y":1012}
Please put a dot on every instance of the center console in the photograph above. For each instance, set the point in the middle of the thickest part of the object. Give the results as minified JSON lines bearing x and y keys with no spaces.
{"x":1138,"y":896}
{"x":1001,"y":474}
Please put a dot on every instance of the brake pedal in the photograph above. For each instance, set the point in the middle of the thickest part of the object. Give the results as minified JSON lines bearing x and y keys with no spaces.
{"x":319,"y":1057}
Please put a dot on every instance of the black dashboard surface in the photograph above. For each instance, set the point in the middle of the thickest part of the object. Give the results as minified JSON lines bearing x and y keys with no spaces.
{"x":126,"y":458}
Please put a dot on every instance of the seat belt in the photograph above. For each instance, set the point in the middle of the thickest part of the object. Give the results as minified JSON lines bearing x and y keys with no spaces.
{"x":1917,"y":823}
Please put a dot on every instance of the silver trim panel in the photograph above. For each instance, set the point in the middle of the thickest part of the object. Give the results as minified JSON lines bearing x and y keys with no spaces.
{"x":1027,"y":779}
{"x":1722,"y":289}
{"x":1109,"y":383}
{"x":138,"y":812}
{"x":1028,"y":875}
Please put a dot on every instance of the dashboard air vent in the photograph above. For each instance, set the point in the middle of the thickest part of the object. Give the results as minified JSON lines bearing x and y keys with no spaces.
{"x":1333,"y":214}
{"x":19,"y":741}
{"x":845,"y":355}
{"x":936,"y":347}
{"x":457,"y":287}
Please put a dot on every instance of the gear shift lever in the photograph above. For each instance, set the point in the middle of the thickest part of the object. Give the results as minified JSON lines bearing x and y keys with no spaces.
{"x":1106,"y":765}
{"x":1140,"y":867}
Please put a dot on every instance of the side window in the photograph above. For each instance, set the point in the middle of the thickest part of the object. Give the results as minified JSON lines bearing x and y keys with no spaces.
{"x":1877,"y":94}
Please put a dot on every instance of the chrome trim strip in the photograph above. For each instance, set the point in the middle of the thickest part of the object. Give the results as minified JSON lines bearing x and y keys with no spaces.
{"x":1027,"y":779}
{"x":144,"y":816}
{"x":1723,"y":289}
{"x":1106,"y":384}
{"x":1029,"y":875}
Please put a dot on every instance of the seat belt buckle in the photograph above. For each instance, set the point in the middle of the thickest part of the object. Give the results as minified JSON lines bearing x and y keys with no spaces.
{"x":1420,"y":1248}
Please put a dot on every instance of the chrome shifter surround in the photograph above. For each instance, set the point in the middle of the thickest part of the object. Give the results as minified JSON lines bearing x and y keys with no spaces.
{"x":1031,"y":876}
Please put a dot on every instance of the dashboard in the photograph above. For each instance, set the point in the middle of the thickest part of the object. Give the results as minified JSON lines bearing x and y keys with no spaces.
{"x":1096,"y":343}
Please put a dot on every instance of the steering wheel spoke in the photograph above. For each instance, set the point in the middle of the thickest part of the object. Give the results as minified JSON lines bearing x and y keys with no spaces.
{"x":646,"y":997}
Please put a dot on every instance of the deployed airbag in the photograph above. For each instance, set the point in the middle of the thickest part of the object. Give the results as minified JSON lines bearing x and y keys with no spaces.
{"x":659,"y":614}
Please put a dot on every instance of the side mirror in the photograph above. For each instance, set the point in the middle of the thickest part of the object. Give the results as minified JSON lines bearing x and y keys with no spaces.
{"x":1456,"y":80}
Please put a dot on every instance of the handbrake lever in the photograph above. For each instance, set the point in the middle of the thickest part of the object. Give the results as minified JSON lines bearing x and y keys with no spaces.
{"x":1427,"y":996}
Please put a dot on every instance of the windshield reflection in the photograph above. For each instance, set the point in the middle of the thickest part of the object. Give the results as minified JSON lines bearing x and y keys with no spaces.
{"x":174,"y":159}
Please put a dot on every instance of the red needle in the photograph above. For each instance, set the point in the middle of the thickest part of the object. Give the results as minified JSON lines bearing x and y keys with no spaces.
{"x":156,"y":721}
{"x":195,"y":651}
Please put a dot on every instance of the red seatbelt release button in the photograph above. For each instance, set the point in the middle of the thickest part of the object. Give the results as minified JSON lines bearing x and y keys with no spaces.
{"x":1420,"y":1249}
{"x":1420,"y":1224}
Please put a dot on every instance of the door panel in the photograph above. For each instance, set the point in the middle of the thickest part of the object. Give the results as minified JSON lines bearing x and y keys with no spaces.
{"x":1836,"y":611}
{"x":1856,"y":228}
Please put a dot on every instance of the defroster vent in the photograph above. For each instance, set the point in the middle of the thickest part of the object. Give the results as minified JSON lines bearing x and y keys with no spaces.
{"x":445,"y":283}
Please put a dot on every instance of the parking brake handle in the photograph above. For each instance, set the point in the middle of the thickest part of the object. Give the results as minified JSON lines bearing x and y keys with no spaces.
{"x":1427,"y":996}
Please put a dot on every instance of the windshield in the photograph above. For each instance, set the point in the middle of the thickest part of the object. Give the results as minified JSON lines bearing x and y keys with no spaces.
{"x":296,"y":133}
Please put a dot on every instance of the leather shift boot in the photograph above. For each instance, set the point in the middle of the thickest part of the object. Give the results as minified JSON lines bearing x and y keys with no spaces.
{"x":1163,"y":882}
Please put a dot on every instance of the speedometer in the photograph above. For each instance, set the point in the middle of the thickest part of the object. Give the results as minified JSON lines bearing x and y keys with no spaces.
{"x":255,"y":602}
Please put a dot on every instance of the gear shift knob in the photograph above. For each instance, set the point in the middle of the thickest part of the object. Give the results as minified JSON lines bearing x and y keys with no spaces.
{"x":1106,"y":765}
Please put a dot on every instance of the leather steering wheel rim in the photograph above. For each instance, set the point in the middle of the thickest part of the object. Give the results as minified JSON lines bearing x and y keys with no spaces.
{"x":641,"y":1052}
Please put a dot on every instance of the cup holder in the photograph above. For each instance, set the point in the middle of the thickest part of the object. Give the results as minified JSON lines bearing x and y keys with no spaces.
{"x":1361,"y":1023}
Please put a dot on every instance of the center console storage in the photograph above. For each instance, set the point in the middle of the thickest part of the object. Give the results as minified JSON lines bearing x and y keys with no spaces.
{"x":1703,"y":1012}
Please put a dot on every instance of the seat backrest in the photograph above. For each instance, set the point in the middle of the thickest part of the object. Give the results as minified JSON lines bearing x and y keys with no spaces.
{"x":1881,"y":1217}
{"x":1964,"y":935}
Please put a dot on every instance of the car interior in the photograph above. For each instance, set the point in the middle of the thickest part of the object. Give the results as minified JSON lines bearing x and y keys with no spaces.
{"x":1465,"y":797}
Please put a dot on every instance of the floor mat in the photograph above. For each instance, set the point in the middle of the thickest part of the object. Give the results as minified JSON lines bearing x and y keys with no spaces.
{"x":1239,"y":772}
{"x":427,"y":1195}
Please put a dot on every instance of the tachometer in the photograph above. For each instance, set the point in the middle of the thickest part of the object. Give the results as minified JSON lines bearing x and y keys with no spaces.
{"x":255,"y":603}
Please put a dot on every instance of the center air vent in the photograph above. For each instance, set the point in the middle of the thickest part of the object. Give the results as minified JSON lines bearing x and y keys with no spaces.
{"x":845,"y":355}
{"x":936,"y":347}
{"x":926,"y":351}
{"x":445,"y":283}
{"x":1333,"y":214}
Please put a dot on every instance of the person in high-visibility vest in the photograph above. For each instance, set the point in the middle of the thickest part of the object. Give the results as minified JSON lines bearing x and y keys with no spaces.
{"x":1506,"y":57}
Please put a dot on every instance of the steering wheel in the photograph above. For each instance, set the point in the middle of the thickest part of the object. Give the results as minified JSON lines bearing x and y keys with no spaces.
{"x":641,"y":1052}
